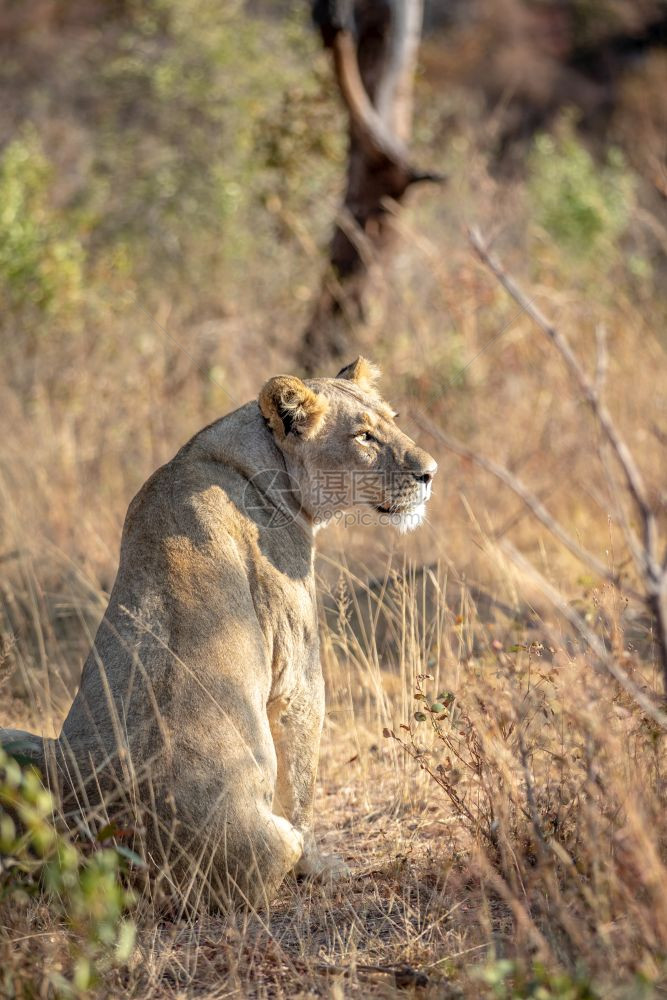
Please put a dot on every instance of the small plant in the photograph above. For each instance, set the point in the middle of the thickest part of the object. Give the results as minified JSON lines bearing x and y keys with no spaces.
{"x":83,"y":890}
{"x":561,"y":832}
{"x":507,"y":980}
{"x":583,"y":206}
{"x":456,"y":741}
{"x":41,"y":262}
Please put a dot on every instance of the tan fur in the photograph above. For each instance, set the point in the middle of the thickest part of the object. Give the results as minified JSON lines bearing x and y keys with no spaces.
{"x":363,"y":372}
{"x":198,"y":716}
{"x":285,"y":394}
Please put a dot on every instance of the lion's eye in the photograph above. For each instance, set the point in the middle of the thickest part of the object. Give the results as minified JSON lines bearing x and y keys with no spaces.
{"x":364,"y":437}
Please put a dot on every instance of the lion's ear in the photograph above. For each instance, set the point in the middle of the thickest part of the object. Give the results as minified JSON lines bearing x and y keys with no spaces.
{"x":290,"y":407}
{"x":361,"y":371}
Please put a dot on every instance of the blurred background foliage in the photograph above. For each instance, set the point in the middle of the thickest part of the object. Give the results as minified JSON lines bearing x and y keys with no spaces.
{"x":170,"y":172}
{"x":584,"y":207}
{"x":164,"y":149}
{"x":41,"y":263}
{"x":152,"y":144}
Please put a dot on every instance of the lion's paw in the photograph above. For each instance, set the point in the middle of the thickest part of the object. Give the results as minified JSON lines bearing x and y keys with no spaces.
{"x":322,"y":867}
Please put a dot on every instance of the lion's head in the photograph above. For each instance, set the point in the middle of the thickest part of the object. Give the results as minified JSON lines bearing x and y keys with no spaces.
{"x":340,"y":442}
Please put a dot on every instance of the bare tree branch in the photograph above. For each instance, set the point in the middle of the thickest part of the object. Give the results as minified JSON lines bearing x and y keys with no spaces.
{"x":531,"y":501}
{"x":602,"y":359}
{"x":651,"y":562}
{"x":374,"y":45}
{"x":607,"y":662}
{"x":631,"y":472}
{"x":375,"y":137}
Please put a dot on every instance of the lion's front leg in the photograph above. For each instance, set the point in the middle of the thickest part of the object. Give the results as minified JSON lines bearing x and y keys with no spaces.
{"x":296,"y":726}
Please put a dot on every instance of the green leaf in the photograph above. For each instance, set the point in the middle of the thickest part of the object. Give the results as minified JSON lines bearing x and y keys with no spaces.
{"x":107,"y":832}
{"x":131,"y":856}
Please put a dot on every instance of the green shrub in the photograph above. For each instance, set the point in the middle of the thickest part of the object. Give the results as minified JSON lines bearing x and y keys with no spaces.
{"x":84,"y":892}
{"x":506,"y":980}
{"x":583,"y":206}
{"x":194,"y":115}
{"x":41,"y":260}
{"x":201,"y":110}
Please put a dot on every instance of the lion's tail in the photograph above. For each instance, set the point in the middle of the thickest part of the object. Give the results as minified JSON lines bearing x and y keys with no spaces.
{"x":25,"y":747}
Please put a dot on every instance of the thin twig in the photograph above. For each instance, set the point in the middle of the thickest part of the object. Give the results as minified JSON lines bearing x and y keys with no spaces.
{"x":651,"y":563}
{"x":602,"y":358}
{"x":533,"y":811}
{"x":632,"y":474}
{"x":607,"y":662}
{"x":404,"y":976}
{"x":531,"y":501}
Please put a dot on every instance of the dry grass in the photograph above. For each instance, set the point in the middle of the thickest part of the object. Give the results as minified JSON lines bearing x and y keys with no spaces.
{"x":517,"y":846}
{"x":533,"y":831}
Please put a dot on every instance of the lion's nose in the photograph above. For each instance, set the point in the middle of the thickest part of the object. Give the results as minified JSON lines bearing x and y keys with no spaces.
{"x":427,"y":474}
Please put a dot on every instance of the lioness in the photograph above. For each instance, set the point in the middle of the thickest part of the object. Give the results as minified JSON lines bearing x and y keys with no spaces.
{"x":201,"y":702}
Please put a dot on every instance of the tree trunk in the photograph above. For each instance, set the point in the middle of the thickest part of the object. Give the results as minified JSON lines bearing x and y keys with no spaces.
{"x":374,"y":44}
